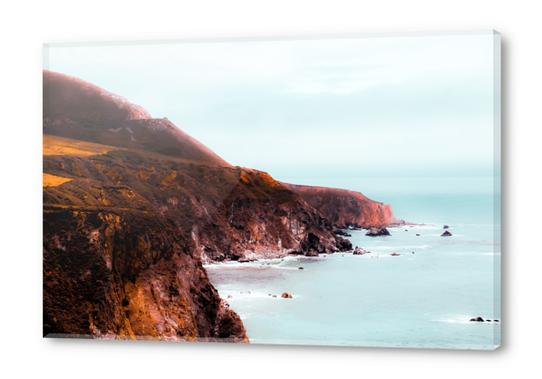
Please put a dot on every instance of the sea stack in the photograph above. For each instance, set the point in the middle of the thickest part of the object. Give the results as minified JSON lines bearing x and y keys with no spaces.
{"x":360,"y":251}
{"x":378,"y":231}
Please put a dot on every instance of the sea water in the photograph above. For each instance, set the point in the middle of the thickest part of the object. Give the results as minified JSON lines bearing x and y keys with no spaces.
{"x":422,"y":298}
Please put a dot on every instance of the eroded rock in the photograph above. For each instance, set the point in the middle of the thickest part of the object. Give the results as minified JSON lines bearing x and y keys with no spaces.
{"x":378,"y":231}
{"x":359,"y":251}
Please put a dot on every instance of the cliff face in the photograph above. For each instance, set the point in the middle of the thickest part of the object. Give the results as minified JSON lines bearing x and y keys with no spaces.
{"x":228,"y":212}
{"x":117,"y":264}
{"x":117,"y":274}
{"x":261,"y":218}
{"x":345,"y":208}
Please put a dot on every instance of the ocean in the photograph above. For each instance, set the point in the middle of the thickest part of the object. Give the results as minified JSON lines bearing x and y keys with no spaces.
{"x":422,"y":298}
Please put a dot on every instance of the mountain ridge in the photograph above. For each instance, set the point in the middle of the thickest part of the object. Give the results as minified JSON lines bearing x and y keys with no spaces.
{"x":76,"y":109}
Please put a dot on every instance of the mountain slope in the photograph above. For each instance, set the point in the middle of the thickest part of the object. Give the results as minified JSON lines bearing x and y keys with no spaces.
{"x":79,"y":110}
{"x":229,"y":212}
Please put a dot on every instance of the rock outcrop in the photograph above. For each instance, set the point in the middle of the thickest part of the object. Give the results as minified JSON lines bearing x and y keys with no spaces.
{"x":340,"y":232}
{"x":378,"y":231}
{"x":359,"y":251}
{"x":446,"y":234}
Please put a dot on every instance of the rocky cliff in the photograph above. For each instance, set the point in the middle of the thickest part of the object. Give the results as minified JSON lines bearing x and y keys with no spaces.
{"x":228,"y":212}
{"x":262,"y":218}
{"x":345,"y":208}
{"x":127,"y":274}
{"x":133,"y":205}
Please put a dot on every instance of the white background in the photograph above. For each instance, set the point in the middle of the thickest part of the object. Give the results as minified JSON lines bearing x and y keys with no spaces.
{"x":25,"y":26}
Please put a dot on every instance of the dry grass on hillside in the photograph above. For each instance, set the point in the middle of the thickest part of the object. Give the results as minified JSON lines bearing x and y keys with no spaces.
{"x":52,"y":181}
{"x":53,"y":145}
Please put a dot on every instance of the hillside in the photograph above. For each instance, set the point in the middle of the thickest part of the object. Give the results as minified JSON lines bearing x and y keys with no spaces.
{"x":80,"y":110}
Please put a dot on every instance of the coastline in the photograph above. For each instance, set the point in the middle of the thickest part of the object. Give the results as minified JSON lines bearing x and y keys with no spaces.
{"x":379,"y":277}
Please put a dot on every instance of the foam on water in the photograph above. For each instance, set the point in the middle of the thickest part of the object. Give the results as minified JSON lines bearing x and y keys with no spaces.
{"x":419,"y":247}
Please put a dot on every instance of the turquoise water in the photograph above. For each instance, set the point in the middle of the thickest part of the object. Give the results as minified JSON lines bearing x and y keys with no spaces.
{"x":422,"y":300}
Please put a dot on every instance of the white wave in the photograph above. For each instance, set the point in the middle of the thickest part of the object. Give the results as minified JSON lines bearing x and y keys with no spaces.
{"x":223,"y":264}
{"x":238,"y":295}
{"x":246,"y":316}
{"x":378,"y":255}
{"x":490,"y":254}
{"x":234,"y":264}
{"x":465,"y":320}
{"x":397,"y":248}
{"x":425,"y":227}
{"x":455,"y":321}
{"x":439,"y":235}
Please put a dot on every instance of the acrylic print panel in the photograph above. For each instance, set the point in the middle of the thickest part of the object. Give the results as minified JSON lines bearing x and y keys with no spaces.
{"x":311,"y":191}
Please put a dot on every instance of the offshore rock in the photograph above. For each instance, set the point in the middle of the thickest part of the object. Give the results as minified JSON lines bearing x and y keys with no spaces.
{"x":378,"y":231}
{"x":360,"y":251}
{"x":446,"y":234}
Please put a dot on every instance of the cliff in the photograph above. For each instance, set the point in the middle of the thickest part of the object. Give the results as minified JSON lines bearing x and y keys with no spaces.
{"x":127,"y":274}
{"x":262,"y":218}
{"x":345,"y":208}
{"x":133,"y":205}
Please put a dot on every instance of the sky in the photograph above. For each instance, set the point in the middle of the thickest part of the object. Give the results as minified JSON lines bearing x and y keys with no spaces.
{"x":412,"y":105}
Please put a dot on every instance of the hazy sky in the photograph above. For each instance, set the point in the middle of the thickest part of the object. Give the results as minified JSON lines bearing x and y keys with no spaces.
{"x":380,"y":106}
